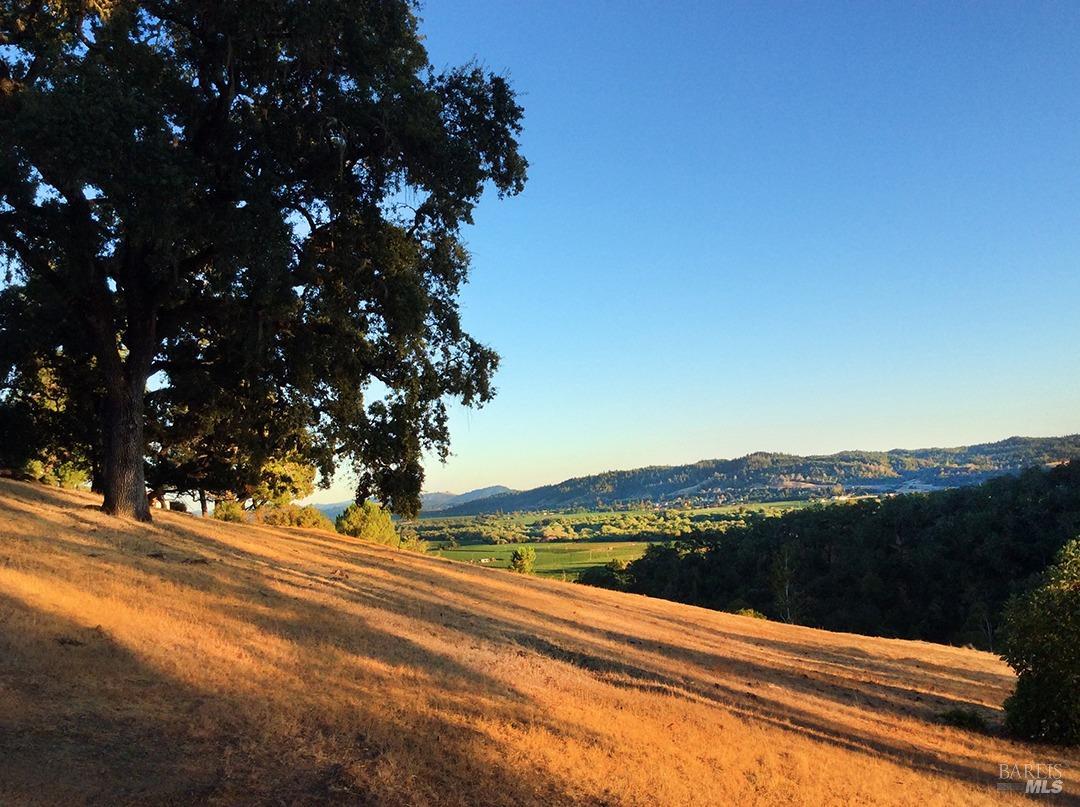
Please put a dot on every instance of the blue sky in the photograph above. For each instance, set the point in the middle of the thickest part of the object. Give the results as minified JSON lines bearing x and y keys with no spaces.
{"x":799,"y":227}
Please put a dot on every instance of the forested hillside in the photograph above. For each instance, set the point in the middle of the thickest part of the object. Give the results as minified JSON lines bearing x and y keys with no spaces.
{"x":937,"y":566}
{"x":765,"y":477}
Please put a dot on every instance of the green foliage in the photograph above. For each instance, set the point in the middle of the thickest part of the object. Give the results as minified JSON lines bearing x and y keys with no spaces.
{"x":591,"y":525}
{"x":34,"y":469}
{"x":292,"y":515}
{"x":523,"y":560}
{"x":937,"y":566}
{"x":750,"y":612}
{"x":70,"y":475}
{"x":283,"y":480}
{"x":410,"y":541}
{"x":369,"y":521}
{"x":1042,"y":644}
{"x":44,"y":429}
{"x":197,"y":447}
{"x":60,"y":474}
{"x":229,"y":510}
{"x":611,"y":575}
{"x":963,"y":718}
{"x":557,"y":531}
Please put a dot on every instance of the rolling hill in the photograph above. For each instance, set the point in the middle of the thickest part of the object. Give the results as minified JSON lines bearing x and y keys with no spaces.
{"x":770,"y":477}
{"x":433,"y":502}
{"x":192,"y":661}
{"x":439,"y":500}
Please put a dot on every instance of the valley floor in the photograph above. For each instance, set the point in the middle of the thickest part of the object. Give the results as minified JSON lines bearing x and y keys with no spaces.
{"x":195,"y":661}
{"x":562,"y":560}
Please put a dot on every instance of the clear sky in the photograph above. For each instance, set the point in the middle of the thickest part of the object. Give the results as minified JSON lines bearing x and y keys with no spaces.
{"x":798,"y":227}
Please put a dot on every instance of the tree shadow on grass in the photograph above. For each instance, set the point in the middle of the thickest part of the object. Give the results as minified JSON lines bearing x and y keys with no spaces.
{"x":709,"y":677}
{"x":78,"y":722}
{"x":89,"y":722}
{"x":351,"y":581}
{"x":117,"y":728}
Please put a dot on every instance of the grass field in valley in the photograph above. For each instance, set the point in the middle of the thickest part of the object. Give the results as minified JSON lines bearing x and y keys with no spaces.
{"x":568,"y":542}
{"x":563,"y":560}
{"x":193,"y":661}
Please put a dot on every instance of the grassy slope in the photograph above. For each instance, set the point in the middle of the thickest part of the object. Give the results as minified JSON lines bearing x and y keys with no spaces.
{"x":198,"y":661}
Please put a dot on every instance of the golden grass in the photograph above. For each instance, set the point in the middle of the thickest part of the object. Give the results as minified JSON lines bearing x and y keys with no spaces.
{"x":194,"y":661}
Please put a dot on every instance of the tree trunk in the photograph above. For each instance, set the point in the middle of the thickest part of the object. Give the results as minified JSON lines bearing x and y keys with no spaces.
{"x":97,"y":461}
{"x":125,"y":484}
{"x":202,"y":503}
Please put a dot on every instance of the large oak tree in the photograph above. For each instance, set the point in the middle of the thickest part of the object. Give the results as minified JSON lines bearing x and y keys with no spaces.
{"x":254,"y":205}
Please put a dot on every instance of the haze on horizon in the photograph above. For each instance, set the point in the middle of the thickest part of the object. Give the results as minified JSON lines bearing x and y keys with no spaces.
{"x":799,"y":229}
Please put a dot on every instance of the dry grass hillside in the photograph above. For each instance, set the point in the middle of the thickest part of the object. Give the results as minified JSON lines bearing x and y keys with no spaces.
{"x":194,"y":661}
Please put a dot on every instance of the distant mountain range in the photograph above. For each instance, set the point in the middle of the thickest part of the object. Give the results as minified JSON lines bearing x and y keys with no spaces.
{"x":765,"y":476}
{"x":430,"y":502}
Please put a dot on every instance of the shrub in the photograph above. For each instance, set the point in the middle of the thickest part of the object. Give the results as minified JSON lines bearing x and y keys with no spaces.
{"x":178,"y":506}
{"x":69,"y":475}
{"x":750,"y":612}
{"x":35,"y":470}
{"x":523,"y":560}
{"x":311,"y":516}
{"x":369,"y":521}
{"x":411,"y":541}
{"x":967,"y":719}
{"x":228,"y":510}
{"x":1042,"y":643}
{"x":291,"y":515}
{"x":60,"y":474}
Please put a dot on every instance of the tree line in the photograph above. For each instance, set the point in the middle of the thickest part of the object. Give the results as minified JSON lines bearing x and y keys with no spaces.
{"x":640,"y":525}
{"x":938,"y":567}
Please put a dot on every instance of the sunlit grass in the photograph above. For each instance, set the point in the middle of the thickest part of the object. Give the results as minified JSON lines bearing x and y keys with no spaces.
{"x":194,"y":661}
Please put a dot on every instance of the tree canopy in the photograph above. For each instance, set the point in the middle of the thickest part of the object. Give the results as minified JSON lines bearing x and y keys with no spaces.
{"x":368,"y":521}
{"x":1042,"y":644}
{"x":241,"y":223}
